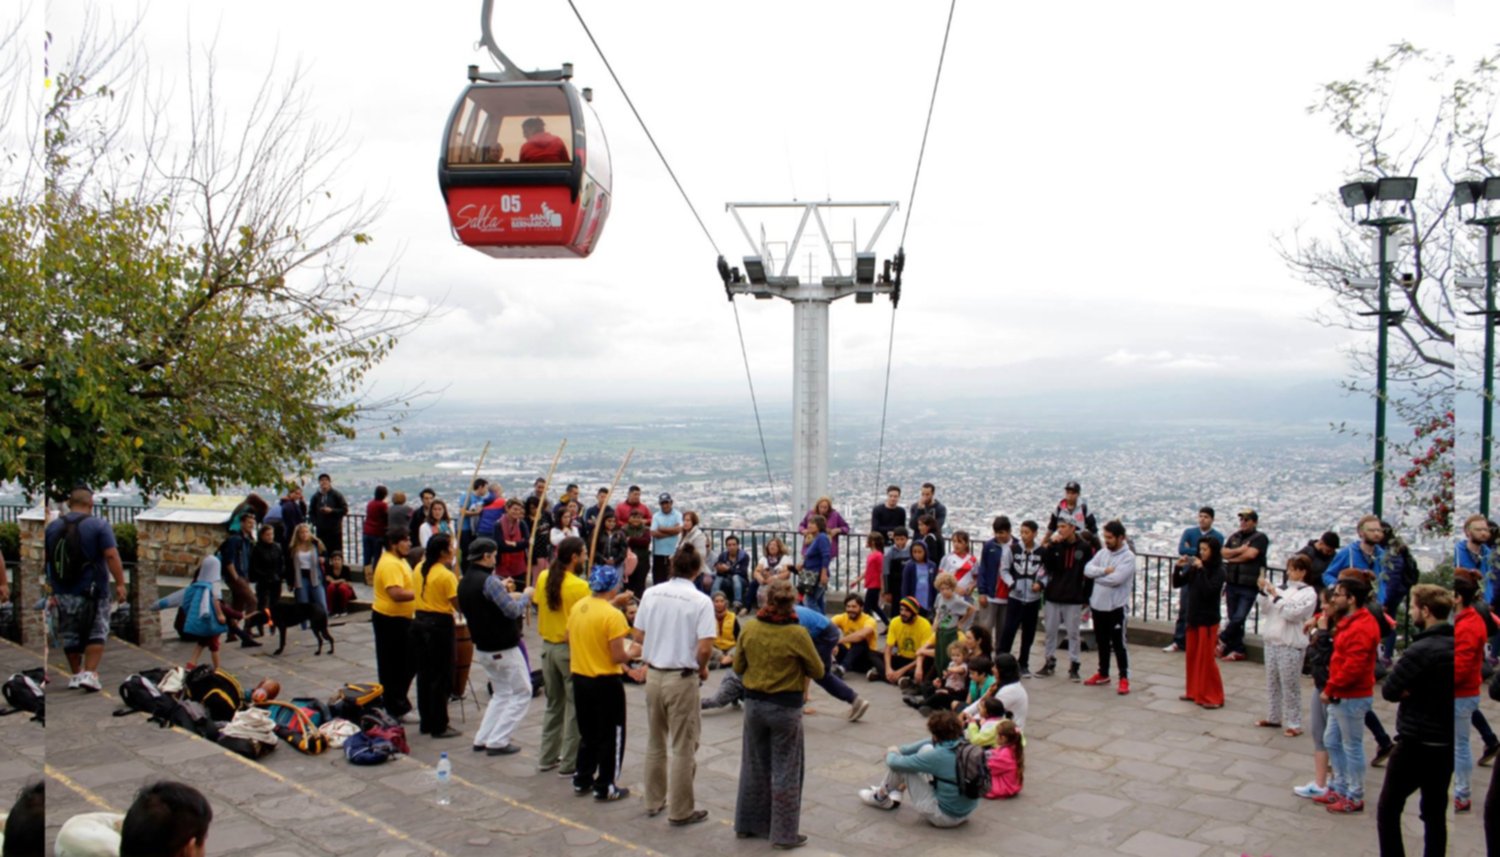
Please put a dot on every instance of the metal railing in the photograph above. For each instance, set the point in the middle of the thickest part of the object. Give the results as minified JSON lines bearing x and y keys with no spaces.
{"x":1152,"y":596}
{"x":115,"y":513}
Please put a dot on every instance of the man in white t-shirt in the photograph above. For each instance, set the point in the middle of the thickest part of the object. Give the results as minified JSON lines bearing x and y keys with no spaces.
{"x":676,"y":627}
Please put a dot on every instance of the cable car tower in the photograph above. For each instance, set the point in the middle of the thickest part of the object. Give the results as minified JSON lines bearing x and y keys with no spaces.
{"x":765,"y":277}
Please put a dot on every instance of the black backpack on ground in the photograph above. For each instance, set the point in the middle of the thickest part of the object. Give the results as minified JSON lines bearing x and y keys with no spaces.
{"x":141,"y":692}
{"x":217,"y":690}
{"x":190,"y":715}
{"x":24,"y":691}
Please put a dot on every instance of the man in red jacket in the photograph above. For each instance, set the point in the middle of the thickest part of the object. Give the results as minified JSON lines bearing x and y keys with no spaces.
{"x":1469,"y":635}
{"x":1349,"y":692}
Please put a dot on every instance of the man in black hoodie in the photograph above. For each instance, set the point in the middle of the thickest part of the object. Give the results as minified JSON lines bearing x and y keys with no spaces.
{"x":1320,"y":552}
{"x":1422,"y":685}
{"x":1067,"y":591}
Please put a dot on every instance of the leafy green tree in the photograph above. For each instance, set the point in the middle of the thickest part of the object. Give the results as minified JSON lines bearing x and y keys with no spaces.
{"x":201,"y":323}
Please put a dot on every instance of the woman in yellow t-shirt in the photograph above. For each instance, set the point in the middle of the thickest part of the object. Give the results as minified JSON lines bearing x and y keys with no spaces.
{"x":432,"y":635}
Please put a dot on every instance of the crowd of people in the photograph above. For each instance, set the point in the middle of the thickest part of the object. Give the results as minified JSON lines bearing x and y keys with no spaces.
{"x":624,"y":593}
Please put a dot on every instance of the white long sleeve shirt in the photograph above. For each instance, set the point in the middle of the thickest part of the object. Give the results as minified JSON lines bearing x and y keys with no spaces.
{"x":1111,"y":588}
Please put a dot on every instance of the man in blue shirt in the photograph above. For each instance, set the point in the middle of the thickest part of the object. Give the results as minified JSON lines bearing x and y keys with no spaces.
{"x":1365,"y":554}
{"x":469,"y":508}
{"x":81,"y":558}
{"x":666,"y":531}
{"x":1474,"y":552}
{"x":825,"y":636}
{"x":1187,"y":551}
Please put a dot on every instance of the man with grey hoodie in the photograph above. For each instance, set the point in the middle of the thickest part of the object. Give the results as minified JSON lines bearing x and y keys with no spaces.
{"x":1113,"y":572}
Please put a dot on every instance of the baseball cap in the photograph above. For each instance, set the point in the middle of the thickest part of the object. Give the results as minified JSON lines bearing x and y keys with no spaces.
{"x":664,"y":497}
{"x":482,"y":547}
{"x":604,"y":578}
{"x":1073,"y":486}
{"x":1249,"y":513}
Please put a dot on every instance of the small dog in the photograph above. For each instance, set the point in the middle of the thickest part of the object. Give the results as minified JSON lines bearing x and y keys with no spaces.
{"x":286,"y":614}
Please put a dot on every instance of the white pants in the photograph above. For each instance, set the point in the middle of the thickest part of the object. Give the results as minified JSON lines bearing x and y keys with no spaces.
{"x":1062,"y":617}
{"x":920,"y":797}
{"x":510,"y":698}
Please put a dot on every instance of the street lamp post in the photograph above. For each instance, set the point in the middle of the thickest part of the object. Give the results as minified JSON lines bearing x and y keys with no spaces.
{"x":1471,"y":193}
{"x":1368,"y":193}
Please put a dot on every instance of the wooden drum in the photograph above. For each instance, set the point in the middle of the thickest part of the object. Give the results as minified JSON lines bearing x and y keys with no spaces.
{"x":463,"y":658}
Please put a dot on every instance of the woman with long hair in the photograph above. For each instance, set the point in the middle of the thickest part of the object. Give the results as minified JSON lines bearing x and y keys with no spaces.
{"x":566,"y":528}
{"x":560,"y":587}
{"x":306,"y":558}
{"x":1203,"y":577}
{"x":775,"y":564}
{"x":433,"y":635}
{"x":774,"y":660}
{"x":437,"y":521}
{"x":693,"y":534}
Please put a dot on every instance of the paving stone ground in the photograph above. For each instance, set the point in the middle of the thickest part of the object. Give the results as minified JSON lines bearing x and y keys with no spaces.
{"x":21,"y":739}
{"x":1142,"y":775}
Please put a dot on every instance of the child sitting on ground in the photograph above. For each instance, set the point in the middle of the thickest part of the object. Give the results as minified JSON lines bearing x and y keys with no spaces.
{"x":982,"y":730}
{"x":1007,"y":761}
{"x":947,"y":690}
{"x":728,"y":627}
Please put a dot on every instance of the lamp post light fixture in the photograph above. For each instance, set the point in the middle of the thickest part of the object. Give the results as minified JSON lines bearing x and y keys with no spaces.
{"x":1402,"y":190}
{"x":1474,"y":192}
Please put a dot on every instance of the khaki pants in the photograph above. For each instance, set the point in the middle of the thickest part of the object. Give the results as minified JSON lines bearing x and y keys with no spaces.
{"x":672,"y":709}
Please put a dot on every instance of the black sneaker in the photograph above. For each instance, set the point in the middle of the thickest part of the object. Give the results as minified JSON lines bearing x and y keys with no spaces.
{"x":1490,"y":752}
{"x":1382,"y":754}
{"x":580,"y":791}
{"x":1049,"y":668}
{"x":1073,"y":675}
{"x":615,"y":793}
{"x":1026,"y":672}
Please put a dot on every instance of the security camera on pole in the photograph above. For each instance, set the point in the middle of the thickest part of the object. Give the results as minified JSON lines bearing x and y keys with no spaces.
{"x":1371,"y":194}
{"x":763,"y":279}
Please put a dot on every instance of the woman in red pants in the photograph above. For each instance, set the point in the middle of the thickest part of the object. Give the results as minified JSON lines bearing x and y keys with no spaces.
{"x":1203,"y":576}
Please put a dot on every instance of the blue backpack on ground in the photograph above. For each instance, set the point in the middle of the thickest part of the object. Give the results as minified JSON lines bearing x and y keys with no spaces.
{"x":362,"y":748}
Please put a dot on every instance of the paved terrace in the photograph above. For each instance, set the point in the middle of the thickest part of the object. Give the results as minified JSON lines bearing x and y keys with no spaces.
{"x":1143,"y":775}
{"x":22,"y":747}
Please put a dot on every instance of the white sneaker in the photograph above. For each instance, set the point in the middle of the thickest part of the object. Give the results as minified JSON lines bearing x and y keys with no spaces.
{"x":858,"y":708}
{"x":89,"y":681}
{"x":74,"y":681}
{"x":1310,"y":790}
{"x":1170,"y":648}
{"x":872,"y":797}
{"x":410,"y":717}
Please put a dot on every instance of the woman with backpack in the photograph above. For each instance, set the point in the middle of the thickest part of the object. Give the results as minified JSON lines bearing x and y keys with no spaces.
{"x":940,"y":801}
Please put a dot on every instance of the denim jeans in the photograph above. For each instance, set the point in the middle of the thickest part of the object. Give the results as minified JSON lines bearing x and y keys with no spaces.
{"x":1238,"y":599}
{"x":813,"y":600}
{"x":733,"y":587}
{"x":1463,"y":758}
{"x":1179,"y":632}
{"x":1346,"y":747}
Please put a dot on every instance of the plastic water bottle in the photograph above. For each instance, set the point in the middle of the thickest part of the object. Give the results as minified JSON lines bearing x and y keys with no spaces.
{"x":444,"y":780}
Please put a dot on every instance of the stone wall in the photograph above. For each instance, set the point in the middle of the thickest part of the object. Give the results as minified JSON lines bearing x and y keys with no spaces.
{"x":166,"y":549}
{"x":27,"y":589}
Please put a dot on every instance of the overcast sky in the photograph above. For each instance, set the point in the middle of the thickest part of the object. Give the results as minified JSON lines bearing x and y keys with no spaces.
{"x":1099,"y":204}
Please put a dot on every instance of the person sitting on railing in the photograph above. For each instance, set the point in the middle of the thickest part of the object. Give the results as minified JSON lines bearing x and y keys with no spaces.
{"x":835,"y":525}
{"x":732,"y":569}
{"x":775,"y":564}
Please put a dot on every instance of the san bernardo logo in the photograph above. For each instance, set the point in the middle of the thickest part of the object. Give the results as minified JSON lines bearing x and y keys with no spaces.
{"x":545,"y":219}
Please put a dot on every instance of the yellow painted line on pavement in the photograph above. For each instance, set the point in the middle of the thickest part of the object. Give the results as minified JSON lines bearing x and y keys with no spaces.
{"x":550,"y":816}
{"x":68,"y":782}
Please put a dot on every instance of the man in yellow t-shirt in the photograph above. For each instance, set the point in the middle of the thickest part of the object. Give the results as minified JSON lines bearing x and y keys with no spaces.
{"x":391,"y":617}
{"x":727,"y":626}
{"x":853,"y":653}
{"x":908,"y":633}
{"x":600,"y":641}
{"x":554,"y":600}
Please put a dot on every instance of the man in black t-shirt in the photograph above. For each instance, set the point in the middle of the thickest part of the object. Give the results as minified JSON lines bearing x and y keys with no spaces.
{"x":889,"y":515}
{"x":328,"y":510}
{"x":1244,"y":563}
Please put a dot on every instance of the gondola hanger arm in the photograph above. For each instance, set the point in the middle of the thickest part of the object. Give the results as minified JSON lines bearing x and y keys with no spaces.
{"x":509,"y":71}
